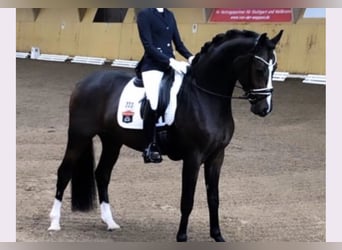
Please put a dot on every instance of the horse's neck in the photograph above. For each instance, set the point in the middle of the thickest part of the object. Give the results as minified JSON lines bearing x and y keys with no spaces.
{"x":193,"y":90}
{"x":214,"y":70}
{"x":202,"y":104}
{"x":212,"y":79}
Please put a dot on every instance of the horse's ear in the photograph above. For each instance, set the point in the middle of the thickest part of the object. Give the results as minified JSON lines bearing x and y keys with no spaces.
{"x":276,"y":39}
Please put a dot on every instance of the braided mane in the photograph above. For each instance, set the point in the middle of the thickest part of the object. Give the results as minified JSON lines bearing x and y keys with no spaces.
{"x":221,"y":38}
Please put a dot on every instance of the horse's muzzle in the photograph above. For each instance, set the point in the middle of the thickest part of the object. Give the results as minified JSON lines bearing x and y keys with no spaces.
{"x":262,"y":107}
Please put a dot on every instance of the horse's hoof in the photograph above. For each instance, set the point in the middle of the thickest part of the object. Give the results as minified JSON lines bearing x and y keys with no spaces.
{"x":182,"y":238}
{"x":113,"y":227}
{"x":218,"y":238}
{"x":54,"y":228}
{"x":216,"y":235}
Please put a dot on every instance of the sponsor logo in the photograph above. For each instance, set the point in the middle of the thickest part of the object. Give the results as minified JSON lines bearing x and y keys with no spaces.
{"x":127,"y":116}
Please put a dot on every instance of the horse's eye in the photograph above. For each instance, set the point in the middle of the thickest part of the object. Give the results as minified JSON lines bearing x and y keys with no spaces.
{"x":260,"y":72}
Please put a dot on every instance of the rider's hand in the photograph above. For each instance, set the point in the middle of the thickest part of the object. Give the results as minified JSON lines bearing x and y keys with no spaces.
{"x":179,"y":66}
{"x":190,"y":59}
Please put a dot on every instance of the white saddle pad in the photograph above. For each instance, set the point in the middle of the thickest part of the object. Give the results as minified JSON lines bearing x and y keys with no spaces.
{"x":130,"y":104}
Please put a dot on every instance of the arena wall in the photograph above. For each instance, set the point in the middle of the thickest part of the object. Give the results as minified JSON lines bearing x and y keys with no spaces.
{"x":73,"y":32}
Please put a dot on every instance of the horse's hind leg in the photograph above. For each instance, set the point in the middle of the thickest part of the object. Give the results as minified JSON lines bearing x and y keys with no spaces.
{"x":109,"y":155}
{"x":75,"y":147}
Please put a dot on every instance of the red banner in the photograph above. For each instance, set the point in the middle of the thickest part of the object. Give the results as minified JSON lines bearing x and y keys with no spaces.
{"x":251,"y":15}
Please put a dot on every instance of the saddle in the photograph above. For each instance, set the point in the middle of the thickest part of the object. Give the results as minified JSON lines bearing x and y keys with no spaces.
{"x":163,"y":101}
{"x":133,"y":98}
{"x":164,"y":92}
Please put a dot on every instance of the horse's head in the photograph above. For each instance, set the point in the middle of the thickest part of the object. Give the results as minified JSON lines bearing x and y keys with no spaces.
{"x":243,"y":56}
{"x":254,"y":72}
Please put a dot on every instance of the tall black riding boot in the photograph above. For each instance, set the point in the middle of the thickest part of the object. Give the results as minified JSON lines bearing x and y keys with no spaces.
{"x":151,"y":152}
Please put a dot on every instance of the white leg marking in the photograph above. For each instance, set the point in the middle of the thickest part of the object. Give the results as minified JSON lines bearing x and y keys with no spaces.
{"x":106,"y":216}
{"x":55,"y":216}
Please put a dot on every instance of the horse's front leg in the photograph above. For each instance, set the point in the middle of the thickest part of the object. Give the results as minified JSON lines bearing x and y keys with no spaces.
{"x":212,"y":168}
{"x":189,"y":180}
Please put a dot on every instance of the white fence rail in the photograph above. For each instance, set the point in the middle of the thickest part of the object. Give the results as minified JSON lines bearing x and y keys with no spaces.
{"x":278,"y":76}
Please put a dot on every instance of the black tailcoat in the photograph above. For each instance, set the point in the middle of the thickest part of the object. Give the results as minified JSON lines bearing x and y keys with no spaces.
{"x":157,"y":31}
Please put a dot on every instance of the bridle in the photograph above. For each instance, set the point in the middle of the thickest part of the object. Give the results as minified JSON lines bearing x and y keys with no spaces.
{"x":252,"y":95}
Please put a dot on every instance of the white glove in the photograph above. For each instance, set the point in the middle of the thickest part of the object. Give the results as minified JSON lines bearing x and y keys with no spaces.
{"x":190,"y":59}
{"x":179,"y":66}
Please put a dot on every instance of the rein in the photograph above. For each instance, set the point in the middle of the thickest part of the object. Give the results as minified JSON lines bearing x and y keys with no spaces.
{"x":245,"y":97}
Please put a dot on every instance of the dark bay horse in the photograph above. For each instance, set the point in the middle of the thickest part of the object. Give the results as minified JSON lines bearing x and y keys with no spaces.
{"x":202,"y":128}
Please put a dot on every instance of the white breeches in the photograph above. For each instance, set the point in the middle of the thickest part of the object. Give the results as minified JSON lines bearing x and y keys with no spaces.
{"x":152,"y":80}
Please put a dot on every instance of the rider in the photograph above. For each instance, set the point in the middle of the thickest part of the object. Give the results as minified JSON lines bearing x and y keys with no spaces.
{"x":157,"y":29}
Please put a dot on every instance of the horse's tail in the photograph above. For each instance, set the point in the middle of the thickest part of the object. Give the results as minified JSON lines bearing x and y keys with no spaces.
{"x":83,"y":189}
